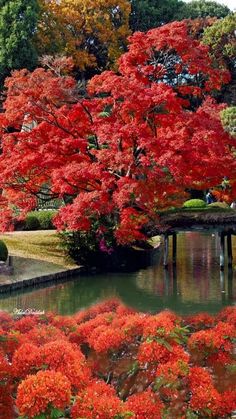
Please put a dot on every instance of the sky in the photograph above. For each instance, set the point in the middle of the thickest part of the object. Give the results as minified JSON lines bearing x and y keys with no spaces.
{"x":230,"y":3}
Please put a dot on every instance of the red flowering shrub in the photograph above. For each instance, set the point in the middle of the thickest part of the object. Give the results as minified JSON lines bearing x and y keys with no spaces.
{"x":118,"y":364}
{"x":42,"y":393}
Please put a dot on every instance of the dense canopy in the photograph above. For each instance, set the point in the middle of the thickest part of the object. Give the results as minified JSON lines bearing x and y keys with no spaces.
{"x":130,"y":148}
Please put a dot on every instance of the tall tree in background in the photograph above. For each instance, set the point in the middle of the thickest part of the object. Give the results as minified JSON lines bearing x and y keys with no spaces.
{"x":147,"y":14}
{"x":18,"y":20}
{"x":93,"y":33}
{"x":221,"y":39}
{"x":202,"y":8}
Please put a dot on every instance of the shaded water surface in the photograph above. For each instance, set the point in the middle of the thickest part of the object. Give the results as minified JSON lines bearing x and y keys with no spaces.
{"x":195,"y":285}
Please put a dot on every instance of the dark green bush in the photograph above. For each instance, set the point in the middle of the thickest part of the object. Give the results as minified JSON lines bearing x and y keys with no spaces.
{"x":194,"y":203}
{"x":31,"y":223}
{"x":3,"y":251}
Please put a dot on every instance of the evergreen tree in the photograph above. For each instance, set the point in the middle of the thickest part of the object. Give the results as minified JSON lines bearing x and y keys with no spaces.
{"x":18,"y":20}
{"x":203,"y":8}
{"x":147,"y":14}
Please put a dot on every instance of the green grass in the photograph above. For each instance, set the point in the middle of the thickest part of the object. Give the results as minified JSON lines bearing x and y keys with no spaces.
{"x":42,"y":245}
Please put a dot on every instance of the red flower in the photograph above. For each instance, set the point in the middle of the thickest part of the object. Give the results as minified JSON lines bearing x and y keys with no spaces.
{"x":155,"y":352}
{"x":42,"y":334}
{"x":228,"y":314}
{"x":200,"y":321}
{"x":97,"y":401}
{"x":26,"y":323}
{"x":205,"y":398}
{"x":42,"y":392}
{"x":172,"y":371}
{"x":65,"y":323}
{"x":25,"y":360}
{"x":146,"y":405}
{"x":163,"y":322}
{"x":66,"y":358}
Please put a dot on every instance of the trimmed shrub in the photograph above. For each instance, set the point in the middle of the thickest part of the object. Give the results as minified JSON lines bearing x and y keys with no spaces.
{"x":194,"y":203}
{"x":223,"y":205}
{"x":3,"y":251}
{"x":40,"y":220}
{"x":45,"y":218}
{"x":31,"y":223}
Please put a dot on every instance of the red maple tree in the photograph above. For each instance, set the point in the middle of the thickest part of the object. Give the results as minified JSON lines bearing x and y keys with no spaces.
{"x":129,"y":148}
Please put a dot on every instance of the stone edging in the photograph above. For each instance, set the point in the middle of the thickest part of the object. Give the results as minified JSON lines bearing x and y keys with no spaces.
{"x":57,"y":276}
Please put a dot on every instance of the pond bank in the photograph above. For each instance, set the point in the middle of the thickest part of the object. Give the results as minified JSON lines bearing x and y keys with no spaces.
{"x":44,"y":260}
{"x":9,"y":286}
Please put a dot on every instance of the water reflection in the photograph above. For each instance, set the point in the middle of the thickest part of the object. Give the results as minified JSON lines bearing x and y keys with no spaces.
{"x":195,"y":284}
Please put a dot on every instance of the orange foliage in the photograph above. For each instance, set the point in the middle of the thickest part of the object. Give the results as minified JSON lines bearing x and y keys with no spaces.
{"x":84,"y":29}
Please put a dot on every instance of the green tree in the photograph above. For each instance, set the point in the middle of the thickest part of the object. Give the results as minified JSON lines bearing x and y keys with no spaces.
{"x":228,"y":117}
{"x":202,"y":8}
{"x":221,"y":39}
{"x":18,"y":21}
{"x":147,"y":14}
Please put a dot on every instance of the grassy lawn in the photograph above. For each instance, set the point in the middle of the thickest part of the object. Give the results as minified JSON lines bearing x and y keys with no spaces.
{"x":42,"y":244}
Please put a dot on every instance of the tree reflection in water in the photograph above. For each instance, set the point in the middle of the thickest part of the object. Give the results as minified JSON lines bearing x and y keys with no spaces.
{"x":195,"y":284}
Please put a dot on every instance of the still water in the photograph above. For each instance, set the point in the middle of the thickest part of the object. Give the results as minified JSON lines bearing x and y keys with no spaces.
{"x":195,"y":285}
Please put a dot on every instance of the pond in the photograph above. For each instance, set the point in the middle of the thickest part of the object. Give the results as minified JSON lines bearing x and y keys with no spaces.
{"x":195,"y":285}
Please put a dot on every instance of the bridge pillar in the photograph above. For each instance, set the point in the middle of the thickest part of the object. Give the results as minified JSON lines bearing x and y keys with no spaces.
{"x":229,"y":249}
{"x":222,"y":251}
{"x":174,"y":247}
{"x":166,"y":251}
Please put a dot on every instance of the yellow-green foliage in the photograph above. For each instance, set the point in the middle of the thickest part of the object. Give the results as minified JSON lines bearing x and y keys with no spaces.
{"x":228,"y":117}
{"x":194,"y":203}
{"x":93,"y":33}
{"x":221,"y":37}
